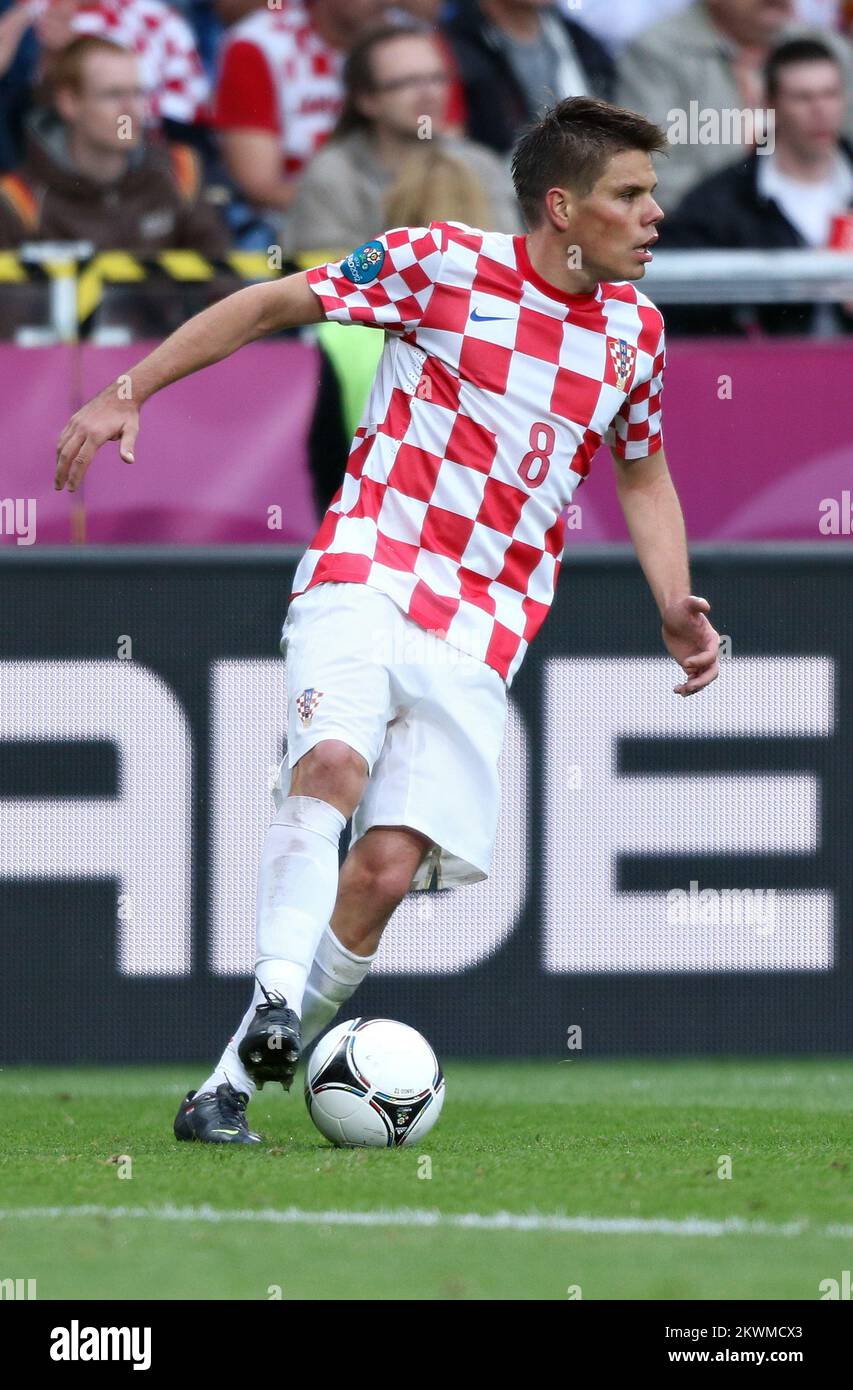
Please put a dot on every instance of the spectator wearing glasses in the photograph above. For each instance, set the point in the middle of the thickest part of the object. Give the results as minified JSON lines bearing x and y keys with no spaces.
{"x":90,"y":173}
{"x":34,"y":32}
{"x":390,"y":161}
{"x":172,"y":74}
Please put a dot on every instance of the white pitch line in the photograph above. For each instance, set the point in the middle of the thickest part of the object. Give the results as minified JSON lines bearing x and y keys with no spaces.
{"x":467,"y":1221}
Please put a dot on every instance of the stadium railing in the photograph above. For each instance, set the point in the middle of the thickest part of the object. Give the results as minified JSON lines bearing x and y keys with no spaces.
{"x":750,"y":277}
{"x":59,"y":292}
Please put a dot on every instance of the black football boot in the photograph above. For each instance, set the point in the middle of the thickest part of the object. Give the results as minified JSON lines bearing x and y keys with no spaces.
{"x":215,"y":1117}
{"x":271,"y":1048}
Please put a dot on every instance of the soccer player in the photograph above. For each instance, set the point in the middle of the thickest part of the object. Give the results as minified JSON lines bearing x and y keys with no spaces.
{"x":507,"y":361}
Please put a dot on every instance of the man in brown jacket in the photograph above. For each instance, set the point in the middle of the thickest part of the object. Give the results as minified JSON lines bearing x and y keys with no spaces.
{"x":91,"y":174}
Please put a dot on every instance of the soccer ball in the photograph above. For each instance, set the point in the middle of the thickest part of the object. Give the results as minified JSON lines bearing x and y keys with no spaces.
{"x":374,"y":1083}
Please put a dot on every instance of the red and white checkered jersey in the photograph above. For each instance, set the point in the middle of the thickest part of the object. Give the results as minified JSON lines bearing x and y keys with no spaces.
{"x":493,"y":392}
{"x":171,"y":69}
{"x":278,"y":73}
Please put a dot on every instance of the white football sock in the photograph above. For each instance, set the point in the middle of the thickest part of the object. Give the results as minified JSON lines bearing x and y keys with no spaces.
{"x":335,"y":975}
{"x":297,"y":888}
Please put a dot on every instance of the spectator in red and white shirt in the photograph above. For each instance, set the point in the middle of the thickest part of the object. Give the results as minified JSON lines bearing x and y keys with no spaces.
{"x":280,"y":91}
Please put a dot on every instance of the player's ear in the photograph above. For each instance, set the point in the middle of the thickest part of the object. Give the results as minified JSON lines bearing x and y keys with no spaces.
{"x":560,"y":207}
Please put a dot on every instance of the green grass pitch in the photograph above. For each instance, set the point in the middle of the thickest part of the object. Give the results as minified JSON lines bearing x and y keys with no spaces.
{"x":581,"y":1147}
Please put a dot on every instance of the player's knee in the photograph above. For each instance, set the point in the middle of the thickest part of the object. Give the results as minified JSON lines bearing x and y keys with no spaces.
{"x":332,"y":771}
{"x":384,"y":880}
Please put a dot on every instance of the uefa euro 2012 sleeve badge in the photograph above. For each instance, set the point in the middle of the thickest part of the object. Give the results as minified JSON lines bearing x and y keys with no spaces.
{"x":623,"y":356}
{"x":364,"y":264}
{"x":306,"y":703}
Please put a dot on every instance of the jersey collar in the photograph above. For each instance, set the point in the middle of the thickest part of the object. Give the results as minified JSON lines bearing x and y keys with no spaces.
{"x":525,"y":268}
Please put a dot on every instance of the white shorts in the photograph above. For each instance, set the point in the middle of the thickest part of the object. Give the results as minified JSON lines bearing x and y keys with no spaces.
{"x":427,"y":718}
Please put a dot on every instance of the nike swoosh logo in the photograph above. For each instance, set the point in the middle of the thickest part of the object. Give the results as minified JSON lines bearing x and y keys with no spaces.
{"x":225,"y":1131}
{"x":489,"y":318}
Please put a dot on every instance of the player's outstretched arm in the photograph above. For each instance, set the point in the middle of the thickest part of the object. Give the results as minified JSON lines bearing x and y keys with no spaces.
{"x":653,"y":513}
{"x":207,"y":337}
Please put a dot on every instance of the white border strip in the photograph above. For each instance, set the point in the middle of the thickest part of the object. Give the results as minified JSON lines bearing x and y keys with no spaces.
{"x":411,"y":1217}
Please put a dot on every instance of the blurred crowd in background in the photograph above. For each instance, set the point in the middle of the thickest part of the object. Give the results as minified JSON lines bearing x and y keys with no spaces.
{"x":314,"y":125}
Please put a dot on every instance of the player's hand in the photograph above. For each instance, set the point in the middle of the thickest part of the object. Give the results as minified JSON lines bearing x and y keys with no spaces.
{"x":694,"y":643}
{"x":103,"y":417}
